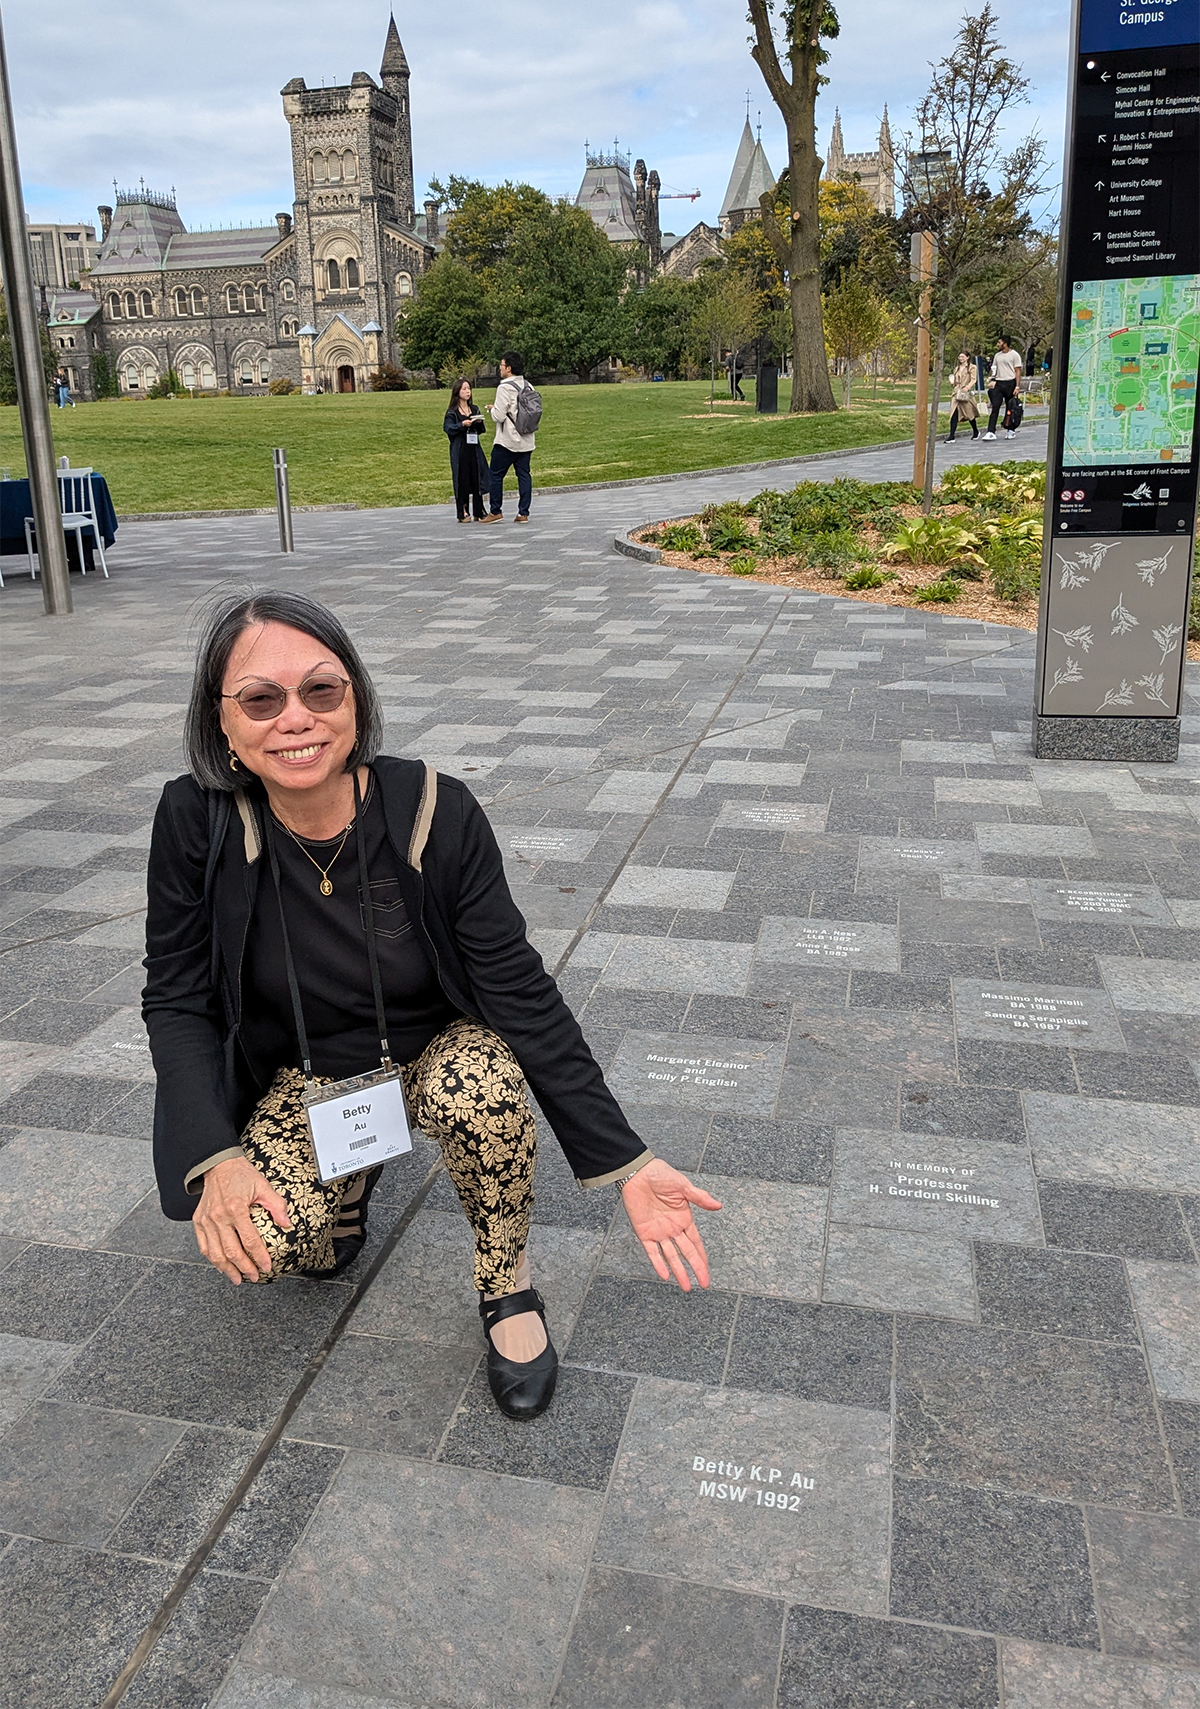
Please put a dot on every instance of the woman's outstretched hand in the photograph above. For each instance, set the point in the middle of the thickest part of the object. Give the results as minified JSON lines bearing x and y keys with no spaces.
{"x":225,"y":1233}
{"x":658,"y":1201}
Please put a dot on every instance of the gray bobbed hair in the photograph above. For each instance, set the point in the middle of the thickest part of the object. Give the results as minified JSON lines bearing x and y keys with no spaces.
{"x":204,"y":742}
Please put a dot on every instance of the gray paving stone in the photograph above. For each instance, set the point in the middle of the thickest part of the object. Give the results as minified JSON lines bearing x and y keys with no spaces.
{"x":769,"y":1151}
{"x":190,"y":1659}
{"x":826,"y":1353}
{"x":1167,"y":1298}
{"x":973,"y":1114}
{"x":894,"y":1271}
{"x":1037,"y":1676}
{"x":945,"y":1186}
{"x":1054,"y":1293}
{"x":992,"y":1562}
{"x":766,"y":1239}
{"x":70,"y":1187}
{"x":395,"y":1397}
{"x":67,"y":1473}
{"x":1147,"y":1573}
{"x":632,"y":1631}
{"x":54,"y":1293}
{"x":840,"y":1661}
{"x":668,"y":1511}
{"x":679,"y":887}
{"x":1064,"y":1419}
{"x":1168,"y":987}
{"x":573,"y":1444}
{"x":1004,"y":1010}
{"x":696,"y":1072}
{"x":1113,"y":1144}
{"x":250,"y":1688}
{"x":668,"y":964}
{"x":48,"y":1021}
{"x":183,"y":1498}
{"x":1082,"y":1218}
{"x":1181,"y":1420}
{"x":51,"y":1594}
{"x":1135,"y":903}
{"x":827,"y":943}
{"x":27,"y":1368}
{"x":1055,"y":840}
{"x":406,"y":1535}
{"x":275,"y":1510}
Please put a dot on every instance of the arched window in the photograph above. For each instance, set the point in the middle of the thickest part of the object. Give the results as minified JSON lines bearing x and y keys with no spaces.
{"x":187,"y":374}
{"x":334,"y":168}
{"x":247,"y":372}
{"x":131,"y":378}
{"x":318,"y":169}
{"x":262,"y":298}
{"x":264,"y":370}
{"x":197,"y":300}
{"x":114,"y":305}
{"x":249,"y":299}
{"x":349,"y":166}
{"x":149,"y":376}
{"x":335,"y":275}
{"x":181,"y":300}
{"x":208,"y":376}
{"x":404,"y":284}
{"x":352,"y":274}
{"x":287,"y":291}
{"x":147,"y":305}
{"x":232,"y":299}
{"x":130,"y":306}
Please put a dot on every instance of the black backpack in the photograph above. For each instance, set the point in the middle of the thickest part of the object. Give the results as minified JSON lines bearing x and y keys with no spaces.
{"x":1014,"y":415}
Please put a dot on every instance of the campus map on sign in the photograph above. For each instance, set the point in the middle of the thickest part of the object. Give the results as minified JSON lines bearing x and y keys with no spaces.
{"x":1131,"y":380}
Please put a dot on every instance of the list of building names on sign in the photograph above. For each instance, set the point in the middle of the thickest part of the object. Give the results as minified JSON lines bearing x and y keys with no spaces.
{"x":1035,"y":1014}
{"x":933,"y":1183}
{"x":750,"y":1485}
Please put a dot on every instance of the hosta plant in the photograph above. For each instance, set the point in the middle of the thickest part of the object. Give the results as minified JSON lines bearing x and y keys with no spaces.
{"x":743,"y":564}
{"x":680,"y":537}
{"x":933,"y":540}
{"x":869,"y":576}
{"x":943,"y":591}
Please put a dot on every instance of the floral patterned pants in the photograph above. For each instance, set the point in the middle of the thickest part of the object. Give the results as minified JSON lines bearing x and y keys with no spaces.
{"x":466,"y":1091}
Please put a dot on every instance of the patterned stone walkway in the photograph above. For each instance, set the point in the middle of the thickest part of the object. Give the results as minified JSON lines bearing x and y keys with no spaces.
{"x":923,"y":1012}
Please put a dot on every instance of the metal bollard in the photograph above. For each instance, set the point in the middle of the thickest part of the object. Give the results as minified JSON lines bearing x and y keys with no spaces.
{"x":283,"y":500}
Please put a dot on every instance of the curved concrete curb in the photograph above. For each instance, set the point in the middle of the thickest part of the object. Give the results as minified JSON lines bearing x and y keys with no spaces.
{"x":633,"y":549}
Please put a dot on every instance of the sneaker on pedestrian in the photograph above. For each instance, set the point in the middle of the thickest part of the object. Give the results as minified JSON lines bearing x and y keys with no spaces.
{"x":519,"y":518}
{"x":498,"y":516}
{"x":989,"y":436}
{"x":1010,"y":433}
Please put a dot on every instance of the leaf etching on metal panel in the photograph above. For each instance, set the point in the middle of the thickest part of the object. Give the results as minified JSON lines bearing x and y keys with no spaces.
{"x":1148,"y":568}
{"x":1122,"y":696}
{"x":1123,"y":619}
{"x":1070,"y":672}
{"x":1153,"y":686}
{"x":1166,"y":638}
{"x":1081,"y":637}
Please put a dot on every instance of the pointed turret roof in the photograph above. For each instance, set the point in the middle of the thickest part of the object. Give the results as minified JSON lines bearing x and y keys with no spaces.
{"x":394,"y":62}
{"x":741,"y":167}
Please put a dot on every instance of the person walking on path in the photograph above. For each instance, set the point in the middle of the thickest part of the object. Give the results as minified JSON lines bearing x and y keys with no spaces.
{"x":62,"y":391}
{"x":316,"y":909}
{"x":512,"y":450}
{"x":736,"y":369}
{"x":962,"y":397}
{"x":1006,"y":376}
{"x":464,"y":425}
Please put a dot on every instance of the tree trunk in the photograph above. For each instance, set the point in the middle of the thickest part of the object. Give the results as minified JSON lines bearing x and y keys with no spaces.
{"x":935,"y":398}
{"x":846,"y":386}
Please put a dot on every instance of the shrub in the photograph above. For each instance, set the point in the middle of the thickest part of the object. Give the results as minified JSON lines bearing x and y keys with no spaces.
{"x":832,"y":552}
{"x":728,"y":534}
{"x":388,"y":378}
{"x":994,"y":486}
{"x":943,"y":591}
{"x":744,"y":564}
{"x":869,"y":576}
{"x":1013,"y":579}
{"x":282,"y":388}
{"x":680,"y":537}
{"x":168,"y":385}
{"x":933,"y":540}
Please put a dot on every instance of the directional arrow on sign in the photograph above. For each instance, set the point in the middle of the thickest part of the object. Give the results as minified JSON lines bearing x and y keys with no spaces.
{"x":1096,"y":236}
{"x":1099,"y":183}
{"x":1104,"y":77}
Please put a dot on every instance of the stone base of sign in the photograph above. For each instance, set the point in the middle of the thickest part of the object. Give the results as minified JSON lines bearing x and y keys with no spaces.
{"x":1151,"y":740}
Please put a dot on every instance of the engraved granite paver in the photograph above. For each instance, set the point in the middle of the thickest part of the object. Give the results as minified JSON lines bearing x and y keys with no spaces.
{"x":828,"y":943}
{"x":934,"y":1185}
{"x":1003,"y":1010}
{"x":695,"y":1072}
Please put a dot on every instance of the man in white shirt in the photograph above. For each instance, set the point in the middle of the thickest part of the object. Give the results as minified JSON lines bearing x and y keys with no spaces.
{"x":511,"y":450}
{"x":1006,"y":375}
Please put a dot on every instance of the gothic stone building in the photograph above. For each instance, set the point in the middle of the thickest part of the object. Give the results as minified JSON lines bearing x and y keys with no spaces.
{"x":874,"y":170}
{"x":312,"y":298}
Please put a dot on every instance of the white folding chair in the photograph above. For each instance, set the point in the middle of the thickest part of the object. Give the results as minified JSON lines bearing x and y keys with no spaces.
{"x":77,"y":510}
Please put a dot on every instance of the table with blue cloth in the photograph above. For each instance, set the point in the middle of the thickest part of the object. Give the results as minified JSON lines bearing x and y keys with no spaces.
{"x":16,"y":504}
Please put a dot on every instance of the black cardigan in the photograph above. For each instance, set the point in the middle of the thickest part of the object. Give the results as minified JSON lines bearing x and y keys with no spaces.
{"x":456,"y":430}
{"x":203,"y":880}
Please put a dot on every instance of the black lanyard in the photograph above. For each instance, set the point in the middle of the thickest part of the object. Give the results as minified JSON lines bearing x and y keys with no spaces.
{"x":372,"y":951}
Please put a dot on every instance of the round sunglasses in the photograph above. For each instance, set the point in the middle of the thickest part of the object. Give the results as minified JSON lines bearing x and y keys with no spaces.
{"x":264,"y":700}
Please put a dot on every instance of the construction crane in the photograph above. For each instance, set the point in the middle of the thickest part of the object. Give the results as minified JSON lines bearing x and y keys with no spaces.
{"x":679,"y":195}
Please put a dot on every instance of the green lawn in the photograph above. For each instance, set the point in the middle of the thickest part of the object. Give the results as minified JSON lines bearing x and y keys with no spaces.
{"x":387,"y":448}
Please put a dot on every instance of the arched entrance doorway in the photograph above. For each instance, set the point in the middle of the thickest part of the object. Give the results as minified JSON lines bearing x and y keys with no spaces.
{"x":345,"y":379}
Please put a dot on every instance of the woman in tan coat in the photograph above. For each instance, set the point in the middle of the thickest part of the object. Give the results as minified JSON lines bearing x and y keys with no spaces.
{"x":962,"y":397}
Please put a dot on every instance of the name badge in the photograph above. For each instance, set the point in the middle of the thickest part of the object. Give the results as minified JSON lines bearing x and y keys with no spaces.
{"x":355,"y":1124}
{"x":472,"y":439}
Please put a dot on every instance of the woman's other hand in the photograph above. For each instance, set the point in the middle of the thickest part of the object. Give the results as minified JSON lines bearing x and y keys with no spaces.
{"x":658,"y":1201}
{"x":225,"y":1233}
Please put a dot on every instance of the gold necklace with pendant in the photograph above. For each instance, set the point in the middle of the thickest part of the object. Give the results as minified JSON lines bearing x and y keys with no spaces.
{"x":326,"y":885}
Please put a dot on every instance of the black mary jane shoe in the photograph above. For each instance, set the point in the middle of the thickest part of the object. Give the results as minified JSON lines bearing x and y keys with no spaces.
{"x":350,"y":1229}
{"x":519,"y":1390}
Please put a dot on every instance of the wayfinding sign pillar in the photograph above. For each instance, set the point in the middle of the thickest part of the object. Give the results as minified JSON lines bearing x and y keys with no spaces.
{"x":1121,"y":480}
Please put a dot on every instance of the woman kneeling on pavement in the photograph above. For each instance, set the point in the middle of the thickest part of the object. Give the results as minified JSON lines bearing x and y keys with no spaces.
{"x":318,"y":911}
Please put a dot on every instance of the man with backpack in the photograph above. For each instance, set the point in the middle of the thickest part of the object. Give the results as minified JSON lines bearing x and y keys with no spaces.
{"x":1006,"y":380}
{"x":516,"y":412}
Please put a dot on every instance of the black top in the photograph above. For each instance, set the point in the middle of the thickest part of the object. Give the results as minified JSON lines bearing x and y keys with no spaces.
{"x":328,"y":937}
{"x":207,"y":883}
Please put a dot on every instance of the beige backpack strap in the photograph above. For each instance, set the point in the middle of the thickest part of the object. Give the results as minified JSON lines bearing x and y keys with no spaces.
{"x":424,"y":819}
{"x":249,"y":826}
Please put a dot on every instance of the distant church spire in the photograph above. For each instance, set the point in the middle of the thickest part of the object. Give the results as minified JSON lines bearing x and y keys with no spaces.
{"x":837,"y":148}
{"x":394,"y":63}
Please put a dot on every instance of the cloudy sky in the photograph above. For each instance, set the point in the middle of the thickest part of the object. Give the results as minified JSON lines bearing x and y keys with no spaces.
{"x":186,"y":92}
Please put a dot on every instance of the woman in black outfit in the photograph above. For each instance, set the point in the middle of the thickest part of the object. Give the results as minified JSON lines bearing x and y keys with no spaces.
{"x":468,"y":466}
{"x":313,"y":907}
